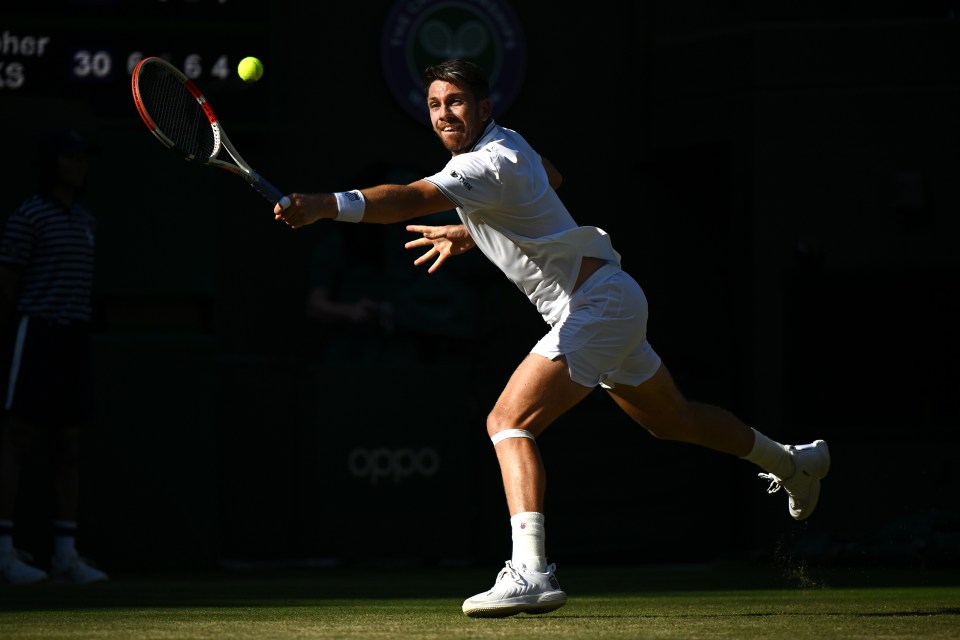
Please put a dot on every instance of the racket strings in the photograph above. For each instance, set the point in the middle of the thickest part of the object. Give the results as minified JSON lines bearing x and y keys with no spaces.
{"x":176,"y":113}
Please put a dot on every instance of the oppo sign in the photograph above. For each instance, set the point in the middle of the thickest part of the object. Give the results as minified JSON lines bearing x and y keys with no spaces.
{"x":392,"y":465}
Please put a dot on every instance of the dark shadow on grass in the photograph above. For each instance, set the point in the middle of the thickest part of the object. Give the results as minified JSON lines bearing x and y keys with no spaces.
{"x":243,"y":589}
{"x":950,"y":611}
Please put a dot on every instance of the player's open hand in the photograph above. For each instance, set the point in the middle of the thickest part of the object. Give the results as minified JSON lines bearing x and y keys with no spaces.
{"x":444,"y":241}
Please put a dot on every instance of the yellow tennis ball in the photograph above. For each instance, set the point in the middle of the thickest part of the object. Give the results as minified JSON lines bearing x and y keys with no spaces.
{"x":250,"y":69}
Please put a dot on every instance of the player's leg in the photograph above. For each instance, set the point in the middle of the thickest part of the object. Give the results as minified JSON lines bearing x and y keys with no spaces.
{"x":16,"y":440}
{"x":659,"y":406}
{"x":65,"y":462}
{"x":14,"y":435}
{"x":538,"y":392}
{"x":66,"y":564}
{"x":15,"y":565}
{"x":65,"y":373}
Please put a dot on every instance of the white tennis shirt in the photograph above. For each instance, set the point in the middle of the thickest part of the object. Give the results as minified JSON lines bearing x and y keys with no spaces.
{"x":503,"y":196}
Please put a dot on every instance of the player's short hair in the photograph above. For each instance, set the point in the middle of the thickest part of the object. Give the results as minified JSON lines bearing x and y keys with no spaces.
{"x":462,"y":73}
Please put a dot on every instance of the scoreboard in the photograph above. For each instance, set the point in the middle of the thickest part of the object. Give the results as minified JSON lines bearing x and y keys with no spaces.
{"x":87,"y":49}
{"x":69,"y":63}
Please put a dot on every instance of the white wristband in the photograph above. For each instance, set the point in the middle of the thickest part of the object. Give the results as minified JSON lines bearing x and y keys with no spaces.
{"x":350,"y":206}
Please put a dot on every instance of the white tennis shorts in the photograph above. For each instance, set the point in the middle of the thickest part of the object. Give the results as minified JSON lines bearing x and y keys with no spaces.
{"x":603,"y":333}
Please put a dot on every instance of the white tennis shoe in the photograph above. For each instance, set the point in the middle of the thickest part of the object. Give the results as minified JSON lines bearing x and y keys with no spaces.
{"x":518,"y":590}
{"x":811,"y":464}
{"x":76,"y":570}
{"x":15,"y":568}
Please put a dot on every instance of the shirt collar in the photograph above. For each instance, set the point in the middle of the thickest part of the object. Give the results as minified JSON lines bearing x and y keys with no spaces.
{"x":486,"y":136}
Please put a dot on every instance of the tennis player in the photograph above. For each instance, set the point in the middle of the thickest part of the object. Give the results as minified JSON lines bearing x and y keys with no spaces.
{"x":596,"y":314}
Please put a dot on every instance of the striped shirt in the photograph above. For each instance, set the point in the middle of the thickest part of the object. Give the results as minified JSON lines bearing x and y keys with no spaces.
{"x":52,"y":248}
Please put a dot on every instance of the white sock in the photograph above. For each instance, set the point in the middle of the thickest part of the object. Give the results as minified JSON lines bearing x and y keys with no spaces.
{"x":6,"y":536}
{"x":64,"y":539}
{"x":770,"y":456}
{"x":529,"y":541}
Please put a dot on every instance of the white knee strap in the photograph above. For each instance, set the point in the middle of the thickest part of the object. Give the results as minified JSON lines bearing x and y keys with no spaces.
{"x":510,"y":433}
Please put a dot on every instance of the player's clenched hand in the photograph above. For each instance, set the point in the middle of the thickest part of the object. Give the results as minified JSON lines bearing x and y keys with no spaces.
{"x":306,"y":208}
{"x":444,"y":241}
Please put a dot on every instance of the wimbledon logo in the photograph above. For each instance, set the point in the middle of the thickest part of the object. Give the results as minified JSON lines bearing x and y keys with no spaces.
{"x":418,"y":33}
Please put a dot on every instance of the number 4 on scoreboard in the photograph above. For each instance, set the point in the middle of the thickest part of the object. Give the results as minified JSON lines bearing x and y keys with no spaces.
{"x":221,"y":68}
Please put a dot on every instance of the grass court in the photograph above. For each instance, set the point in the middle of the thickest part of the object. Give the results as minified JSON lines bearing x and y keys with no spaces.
{"x":689,"y":602}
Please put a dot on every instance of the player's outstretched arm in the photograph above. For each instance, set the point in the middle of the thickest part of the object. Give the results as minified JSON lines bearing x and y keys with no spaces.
{"x":444,"y":241}
{"x":384,"y":204}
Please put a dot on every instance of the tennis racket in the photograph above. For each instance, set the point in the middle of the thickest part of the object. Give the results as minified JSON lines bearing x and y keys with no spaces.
{"x":178,"y":114}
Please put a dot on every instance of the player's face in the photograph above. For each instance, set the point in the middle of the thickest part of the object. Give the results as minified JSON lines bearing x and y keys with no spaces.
{"x":457,"y":117}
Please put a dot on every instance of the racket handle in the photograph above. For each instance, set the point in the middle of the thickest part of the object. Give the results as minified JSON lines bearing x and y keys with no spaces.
{"x":269,"y":191}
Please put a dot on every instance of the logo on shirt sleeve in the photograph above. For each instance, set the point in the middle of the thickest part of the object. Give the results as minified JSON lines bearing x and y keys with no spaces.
{"x":461,"y":180}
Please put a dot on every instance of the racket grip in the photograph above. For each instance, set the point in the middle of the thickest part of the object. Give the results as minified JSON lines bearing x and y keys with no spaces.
{"x":269,"y":191}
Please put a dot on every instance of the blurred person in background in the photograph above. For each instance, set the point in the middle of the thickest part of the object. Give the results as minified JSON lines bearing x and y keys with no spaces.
{"x":46,"y":283}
